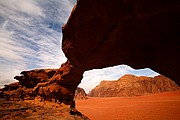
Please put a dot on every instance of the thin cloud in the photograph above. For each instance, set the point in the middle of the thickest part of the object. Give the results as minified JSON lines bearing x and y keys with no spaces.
{"x":28,"y":41}
{"x":23,"y":6}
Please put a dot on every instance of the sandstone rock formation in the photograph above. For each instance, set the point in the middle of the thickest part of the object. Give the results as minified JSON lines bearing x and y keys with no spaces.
{"x":11,"y":86}
{"x":105,"y":33}
{"x":80,"y":94}
{"x":130,"y":85}
{"x":39,"y":82}
{"x":134,"y":32}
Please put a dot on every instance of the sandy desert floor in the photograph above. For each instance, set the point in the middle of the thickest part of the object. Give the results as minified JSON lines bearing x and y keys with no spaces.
{"x":163,"y":106}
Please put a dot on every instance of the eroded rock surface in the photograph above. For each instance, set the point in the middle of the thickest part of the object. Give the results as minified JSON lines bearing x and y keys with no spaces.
{"x":130,"y":85}
{"x":47,"y":83}
{"x":134,"y":32}
{"x":31,"y":78}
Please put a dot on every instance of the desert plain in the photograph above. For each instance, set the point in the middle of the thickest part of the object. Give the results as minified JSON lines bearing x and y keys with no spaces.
{"x":162,"y":106}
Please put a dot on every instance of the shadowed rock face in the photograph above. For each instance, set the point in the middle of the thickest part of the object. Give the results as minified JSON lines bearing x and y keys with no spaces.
{"x":134,"y":32}
{"x":130,"y":85}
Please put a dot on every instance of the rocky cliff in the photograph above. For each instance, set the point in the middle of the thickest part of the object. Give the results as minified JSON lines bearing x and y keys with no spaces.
{"x":130,"y":85}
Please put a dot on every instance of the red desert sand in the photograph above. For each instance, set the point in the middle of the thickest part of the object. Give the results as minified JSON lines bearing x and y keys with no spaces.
{"x":163,"y":106}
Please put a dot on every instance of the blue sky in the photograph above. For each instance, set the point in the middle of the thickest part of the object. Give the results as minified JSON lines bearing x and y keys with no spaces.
{"x":30,"y":38}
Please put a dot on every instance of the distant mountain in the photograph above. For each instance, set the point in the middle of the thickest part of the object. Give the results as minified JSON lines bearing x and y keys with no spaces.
{"x":130,"y":85}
